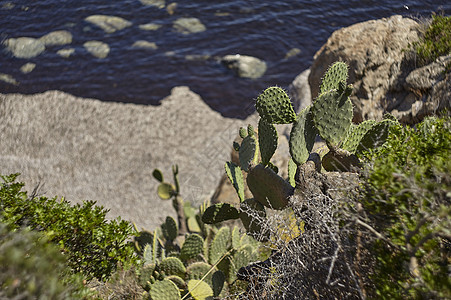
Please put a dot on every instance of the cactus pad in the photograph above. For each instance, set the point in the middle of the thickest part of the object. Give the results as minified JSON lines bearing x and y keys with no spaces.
{"x":217,"y":282}
{"x":355,"y":135}
{"x":179,"y":282}
{"x":173,"y":266}
{"x":248,"y":152}
{"x":192,"y":247}
{"x":275,"y":107}
{"x":292,"y":168}
{"x":199,"y":290}
{"x":267,"y":140}
{"x":219,"y":212}
{"x":198,"y":270}
{"x":241,"y":258}
{"x":236,"y":178}
{"x":302,"y":137}
{"x":170,"y":229}
{"x":376,"y":136}
{"x":219,"y":245}
{"x":243,"y":132}
{"x":336,"y":73}
{"x":332,"y":114}
{"x":268,"y":188}
{"x":236,"y":236}
{"x":165,"y":190}
{"x":158,"y":175}
{"x":164,"y":290}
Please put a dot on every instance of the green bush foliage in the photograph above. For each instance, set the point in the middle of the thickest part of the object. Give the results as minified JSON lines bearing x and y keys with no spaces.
{"x":33,"y":268}
{"x":436,"y":40}
{"x":407,"y":197}
{"x":92,"y":245}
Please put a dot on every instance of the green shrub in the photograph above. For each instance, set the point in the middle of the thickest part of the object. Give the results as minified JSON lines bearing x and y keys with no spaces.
{"x":407,"y":200}
{"x":436,"y":40}
{"x":32,"y":268}
{"x":92,"y":245}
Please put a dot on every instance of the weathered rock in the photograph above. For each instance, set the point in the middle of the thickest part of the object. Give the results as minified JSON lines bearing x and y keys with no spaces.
{"x":27,"y":68}
{"x":156,"y":3}
{"x":171,"y":8}
{"x":188,"y":25}
{"x":109,"y":24}
{"x":105,"y":151}
{"x":144,"y":45}
{"x":292,"y":52}
{"x":97,"y":48}
{"x":375,"y":52}
{"x":66,"y":52}
{"x":25,"y":47}
{"x":245,"y":66}
{"x":299,"y":91}
{"x":57,"y":38}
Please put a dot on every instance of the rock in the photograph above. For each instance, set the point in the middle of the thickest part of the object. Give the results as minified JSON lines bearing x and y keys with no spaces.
{"x":57,"y":38}
{"x":66,"y":52}
{"x":150,"y":26}
{"x":105,"y":151}
{"x":375,"y":52}
{"x":25,"y":47}
{"x":157,"y":3}
{"x":8,"y":79}
{"x":299,"y":91}
{"x":188,"y":25}
{"x":245,"y":66}
{"x":97,"y":48}
{"x":109,"y":24}
{"x":145,"y":45}
{"x":27,"y":68}
{"x":171,"y":8}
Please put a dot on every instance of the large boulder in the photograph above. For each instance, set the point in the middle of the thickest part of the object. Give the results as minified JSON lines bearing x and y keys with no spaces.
{"x":103,"y":151}
{"x":245,"y":66}
{"x":376,"y":53}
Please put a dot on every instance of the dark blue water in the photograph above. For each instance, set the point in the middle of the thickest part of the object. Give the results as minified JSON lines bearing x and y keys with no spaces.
{"x":264,"y":29}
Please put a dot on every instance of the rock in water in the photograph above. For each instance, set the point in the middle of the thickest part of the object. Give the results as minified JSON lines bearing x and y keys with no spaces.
{"x":156,"y":3}
{"x":109,"y":24}
{"x":27,"y":68}
{"x":25,"y":47}
{"x":57,"y":38}
{"x":188,"y":25}
{"x":97,"y":48}
{"x":144,"y":45}
{"x":245,"y":66}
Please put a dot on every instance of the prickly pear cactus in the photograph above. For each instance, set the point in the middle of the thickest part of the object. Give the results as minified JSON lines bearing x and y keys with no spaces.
{"x":192,"y":247}
{"x":169,"y":229}
{"x":219,"y":212}
{"x":268,"y":188}
{"x":164,"y":290}
{"x":267,"y":140}
{"x":275,"y":107}
{"x":172,"y":266}
{"x":200,"y":290}
{"x":236,"y":178}
{"x":336,"y":73}
{"x":332,"y":114}
{"x":248,"y":152}
{"x":253,"y":215}
{"x":302,"y":137}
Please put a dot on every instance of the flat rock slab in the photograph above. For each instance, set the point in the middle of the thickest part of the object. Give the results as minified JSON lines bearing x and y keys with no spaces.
{"x":188,"y":25}
{"x":25,"y":47}
{"x":57,"y":38}
{"x":85,"y":149}
{"x":97,"y":48}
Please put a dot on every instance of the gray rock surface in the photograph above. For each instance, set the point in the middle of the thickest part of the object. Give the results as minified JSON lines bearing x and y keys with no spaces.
{"x":375,"y":52}
{"x":88,"y":149}
{"x":57,"y":38}
{"x":188,"y":25}
{"x":25,"y":47}
{"x":299,"y":91}
{"x":97,"y":48}
{"x":245,"y":66}
{"x":109,"y":24}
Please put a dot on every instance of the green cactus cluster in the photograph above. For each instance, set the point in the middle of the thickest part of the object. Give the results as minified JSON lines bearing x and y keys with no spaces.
{"x":198,"y":263}
{"x":329,"y":117}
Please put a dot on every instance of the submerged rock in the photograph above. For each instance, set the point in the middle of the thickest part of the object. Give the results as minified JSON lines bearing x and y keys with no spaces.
{"x":188,"y":25}
{"x":27,"y":68}
{"x":109,"y":24}
{"x":144,"y":45}
{"x":8,"y":79}
{"x":156,"y":3}
{"x":97,"y":48}
{"x":150,"y":26}
{"x":25,"y":47}
{"x":245,"y":66}
{"x":65,"y":52}
{"x":56,"y":38}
